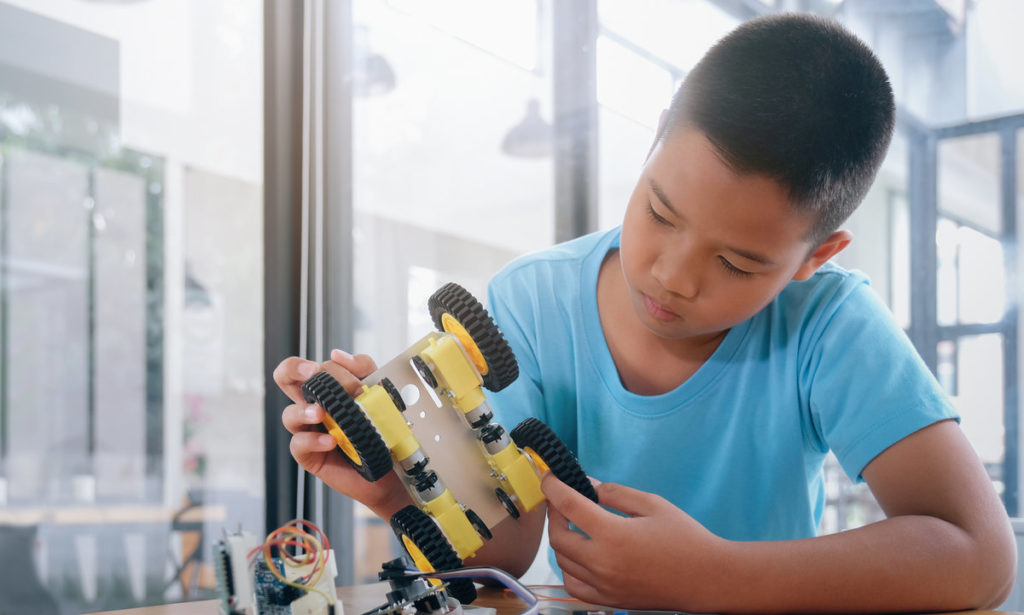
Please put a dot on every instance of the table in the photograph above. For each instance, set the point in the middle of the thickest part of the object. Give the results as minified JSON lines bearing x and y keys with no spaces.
{"x":358,"y":599}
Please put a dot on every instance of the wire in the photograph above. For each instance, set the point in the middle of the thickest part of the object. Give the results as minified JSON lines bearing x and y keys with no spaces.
{"x":315,"y":548}
{"x":534,"y":588}
{"x":483,"y":572}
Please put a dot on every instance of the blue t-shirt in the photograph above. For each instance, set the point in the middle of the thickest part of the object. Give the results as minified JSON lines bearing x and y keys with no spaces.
{"x":740,"y":444}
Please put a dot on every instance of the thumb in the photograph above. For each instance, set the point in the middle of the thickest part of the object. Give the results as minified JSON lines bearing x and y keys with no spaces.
{"x":571,"y":504}
{"x":361,"y":365}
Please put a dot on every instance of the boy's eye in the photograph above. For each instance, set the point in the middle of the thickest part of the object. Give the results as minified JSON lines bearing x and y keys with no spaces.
{"x":657,"y":218}
{"x":733,"y":269}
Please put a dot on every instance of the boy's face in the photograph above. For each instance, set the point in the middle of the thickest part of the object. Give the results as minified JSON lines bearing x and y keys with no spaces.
{"x":703,"y":248}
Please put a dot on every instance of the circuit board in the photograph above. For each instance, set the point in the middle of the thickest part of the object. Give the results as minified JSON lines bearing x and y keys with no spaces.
{"x":248,"y":586}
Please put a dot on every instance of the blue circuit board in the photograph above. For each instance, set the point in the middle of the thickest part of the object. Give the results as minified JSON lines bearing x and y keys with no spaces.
{"x":272,"y":596}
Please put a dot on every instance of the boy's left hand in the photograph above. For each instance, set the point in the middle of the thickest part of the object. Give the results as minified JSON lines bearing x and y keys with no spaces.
{"x":627,"y":561}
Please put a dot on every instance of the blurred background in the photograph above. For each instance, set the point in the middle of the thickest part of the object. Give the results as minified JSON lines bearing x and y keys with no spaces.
{"x":191,"y":190}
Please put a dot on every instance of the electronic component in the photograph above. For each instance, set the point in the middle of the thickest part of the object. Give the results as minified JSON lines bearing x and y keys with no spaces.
{"x":296,"y":580}
{"x":231,"y":562}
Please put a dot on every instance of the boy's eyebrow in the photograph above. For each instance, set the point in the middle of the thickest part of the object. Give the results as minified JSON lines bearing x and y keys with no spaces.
{"x":753,"y":256}
{"x":656,"y":189}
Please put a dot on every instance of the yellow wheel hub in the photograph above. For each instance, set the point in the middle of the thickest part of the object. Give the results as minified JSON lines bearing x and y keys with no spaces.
{"x":422,"y":563}
{"x":453,"y":326}
{"x":537,"y":461}
{"x":343,"y":442}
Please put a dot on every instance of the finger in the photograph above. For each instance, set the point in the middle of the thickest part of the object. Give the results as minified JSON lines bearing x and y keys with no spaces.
{"x":575,"y":506}
{"x":566,"y":541}
{"x":632,"y":502}
{"x":308,"y":448}
{"x":345,"y":378}
{"x":301,"y":417}
{"x":580,"y":589}
{"x":557,"y":519}
{"x":361,"y":365}
{"x":291,"y":373}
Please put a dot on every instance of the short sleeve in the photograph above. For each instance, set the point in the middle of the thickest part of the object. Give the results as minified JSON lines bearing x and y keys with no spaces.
{"x":524,"y":397}
{"x":866,"y":384}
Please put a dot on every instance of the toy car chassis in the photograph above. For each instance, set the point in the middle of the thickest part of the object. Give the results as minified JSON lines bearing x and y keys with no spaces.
{"x":424,"y":415}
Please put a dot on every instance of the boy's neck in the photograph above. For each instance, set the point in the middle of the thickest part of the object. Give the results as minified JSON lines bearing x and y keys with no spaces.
{"x":647,"y":364}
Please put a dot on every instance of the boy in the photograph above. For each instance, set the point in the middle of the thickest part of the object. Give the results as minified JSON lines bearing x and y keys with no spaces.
{"x":707,"y":352}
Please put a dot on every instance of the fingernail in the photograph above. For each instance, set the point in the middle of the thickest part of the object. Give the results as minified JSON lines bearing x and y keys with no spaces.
{"x":340,"y":355}
{"x":325,"y":439}
{"x":311,"y":413}
{"x":307,"y":369}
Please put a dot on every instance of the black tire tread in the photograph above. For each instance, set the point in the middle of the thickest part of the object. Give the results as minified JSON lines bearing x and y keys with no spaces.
{"x":463,"y":306}
{"x":429,"y":539}
{"x":535,"y":434}
{"x":324,"y":390}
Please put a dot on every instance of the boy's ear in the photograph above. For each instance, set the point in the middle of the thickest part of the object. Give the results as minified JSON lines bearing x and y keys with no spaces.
{"x":832,"y":245}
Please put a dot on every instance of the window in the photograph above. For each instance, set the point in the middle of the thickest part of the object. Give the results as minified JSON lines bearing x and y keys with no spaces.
{"x":130,"y":265}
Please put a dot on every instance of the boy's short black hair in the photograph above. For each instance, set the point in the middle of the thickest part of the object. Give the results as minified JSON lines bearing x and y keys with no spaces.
{"x":799,"y":99}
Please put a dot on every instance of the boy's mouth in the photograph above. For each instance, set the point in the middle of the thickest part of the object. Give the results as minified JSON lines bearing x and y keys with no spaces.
{"x":658,"y":311}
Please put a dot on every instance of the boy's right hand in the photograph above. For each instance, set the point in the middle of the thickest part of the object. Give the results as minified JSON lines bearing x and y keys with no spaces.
{"x":317,"y":451}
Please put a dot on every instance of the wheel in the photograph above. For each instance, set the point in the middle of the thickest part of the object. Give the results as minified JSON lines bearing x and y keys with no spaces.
{"x":354,"y":432}
{"x":424,"y":371}
{"x":507,"y":502}
{"x":456,"y":311}
{"x":549,"y":453}
{"x":393,"y":393}
{"x":478,"y":524}
{"x":430,"y":550}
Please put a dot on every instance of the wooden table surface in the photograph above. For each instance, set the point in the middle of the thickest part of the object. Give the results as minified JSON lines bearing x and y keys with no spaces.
{"x":359,"y":599}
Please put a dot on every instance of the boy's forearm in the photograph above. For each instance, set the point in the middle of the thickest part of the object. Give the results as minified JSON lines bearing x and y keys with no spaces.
{"x":908,"y":563}
{"x":514,"y":543}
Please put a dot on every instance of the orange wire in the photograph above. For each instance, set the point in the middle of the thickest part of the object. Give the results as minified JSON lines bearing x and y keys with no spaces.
{"x":301,"y":539}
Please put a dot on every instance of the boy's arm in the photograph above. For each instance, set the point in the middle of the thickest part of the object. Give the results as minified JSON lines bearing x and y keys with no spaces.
{"x":514,"y":544}
{"x":946,"y":545}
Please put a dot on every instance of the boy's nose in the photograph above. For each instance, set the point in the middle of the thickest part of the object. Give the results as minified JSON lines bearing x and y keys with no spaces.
{"x":677,"y":275}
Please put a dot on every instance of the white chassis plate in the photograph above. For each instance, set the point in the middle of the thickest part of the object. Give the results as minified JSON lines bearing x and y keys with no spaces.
{"x":449,"y":443}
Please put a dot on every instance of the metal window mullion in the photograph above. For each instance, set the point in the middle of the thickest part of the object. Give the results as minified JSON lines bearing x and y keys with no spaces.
{"x":305,"y":258}
{"x":954,"y":332}
{"x":282,"y":226}
{"x":320,"y":343}
{"x":574,"y":95}
{"x":4,"y":225}
{"x":326,"y":249}
{"x":336,"y":183}
{"x":922,"y":197}
{"x":90,"y":322}
{"x":1011,"y":387}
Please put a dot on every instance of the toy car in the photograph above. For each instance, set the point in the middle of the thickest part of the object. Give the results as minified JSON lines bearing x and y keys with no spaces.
{"x":425,"y":415}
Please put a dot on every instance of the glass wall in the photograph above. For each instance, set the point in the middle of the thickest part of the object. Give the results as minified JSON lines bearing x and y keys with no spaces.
{"x":130,"y":291}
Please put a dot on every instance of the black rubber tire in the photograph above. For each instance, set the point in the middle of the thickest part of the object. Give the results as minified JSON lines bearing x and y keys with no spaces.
{"x":424,"y":371}
{"x":420,"y":529}
{"x":502,"y":368}
{"x":506,"y":501}
{"x":396,"y":397}
{"x":478,"y":524}
{"x":536,"y":435}
{"x":374,"y":457}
